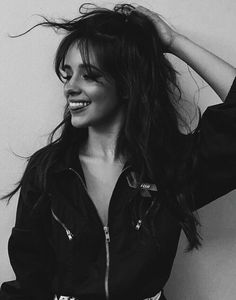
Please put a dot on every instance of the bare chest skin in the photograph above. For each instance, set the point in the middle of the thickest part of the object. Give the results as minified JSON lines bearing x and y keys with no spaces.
{"x":101,"y":178}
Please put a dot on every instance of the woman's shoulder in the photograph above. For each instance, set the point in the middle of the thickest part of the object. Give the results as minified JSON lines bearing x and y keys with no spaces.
{"x":38,"y":166}
{"x":43,"y":155}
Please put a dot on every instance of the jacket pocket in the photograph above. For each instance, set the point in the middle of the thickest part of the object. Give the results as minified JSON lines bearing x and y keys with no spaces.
{"x":146,"y":202}
{"x":67,"y":231}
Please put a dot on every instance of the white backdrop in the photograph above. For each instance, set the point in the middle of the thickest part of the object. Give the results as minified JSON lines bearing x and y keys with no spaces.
{"x":31,"y":104}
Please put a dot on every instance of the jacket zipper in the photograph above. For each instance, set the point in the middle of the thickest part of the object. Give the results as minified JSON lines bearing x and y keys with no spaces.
{"x":68,"y":232}
{"x":107,"y":241}
{"x":105,"y":229}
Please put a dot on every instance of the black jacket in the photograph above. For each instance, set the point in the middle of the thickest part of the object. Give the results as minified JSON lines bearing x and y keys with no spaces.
{"x":61,"y":247}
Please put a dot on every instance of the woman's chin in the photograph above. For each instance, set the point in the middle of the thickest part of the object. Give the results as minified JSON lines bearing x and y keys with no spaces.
{"x":78,"y":124}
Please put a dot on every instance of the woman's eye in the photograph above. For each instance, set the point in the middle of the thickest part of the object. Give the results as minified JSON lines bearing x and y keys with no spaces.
{"x":89,"y":77}
{"x":84,"y":76}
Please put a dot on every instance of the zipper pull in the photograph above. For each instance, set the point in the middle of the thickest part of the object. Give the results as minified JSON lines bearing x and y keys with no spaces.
{"x":107,"y":235}
{"x":69,"y":234}
{"x":138,"y":225}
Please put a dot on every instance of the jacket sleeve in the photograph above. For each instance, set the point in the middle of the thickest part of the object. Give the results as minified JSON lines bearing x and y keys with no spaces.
{"x":30,"y":253}
{"x":216,"y":151}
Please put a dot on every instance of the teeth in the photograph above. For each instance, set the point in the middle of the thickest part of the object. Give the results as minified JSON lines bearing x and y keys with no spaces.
{"x":79,"y":104}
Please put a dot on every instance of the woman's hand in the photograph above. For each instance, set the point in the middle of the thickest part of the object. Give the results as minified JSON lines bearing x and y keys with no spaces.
{"x":167,"y":34}
{"x":214,"y":70}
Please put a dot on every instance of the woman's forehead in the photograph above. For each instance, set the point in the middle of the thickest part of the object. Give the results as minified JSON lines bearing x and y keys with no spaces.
{"x":75,"y":57}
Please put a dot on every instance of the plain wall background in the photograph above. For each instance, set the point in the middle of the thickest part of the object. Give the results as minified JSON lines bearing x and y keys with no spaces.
{"x":32,"y":104}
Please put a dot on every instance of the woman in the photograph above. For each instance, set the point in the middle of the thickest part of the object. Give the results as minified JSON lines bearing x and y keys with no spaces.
{"x":102,"y":206}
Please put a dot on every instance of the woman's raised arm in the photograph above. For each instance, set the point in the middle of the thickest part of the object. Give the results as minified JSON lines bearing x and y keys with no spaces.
{"x":215,"y":71}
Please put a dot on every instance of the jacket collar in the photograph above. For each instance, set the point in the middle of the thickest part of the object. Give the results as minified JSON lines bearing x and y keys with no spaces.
{"x":71,"y":160}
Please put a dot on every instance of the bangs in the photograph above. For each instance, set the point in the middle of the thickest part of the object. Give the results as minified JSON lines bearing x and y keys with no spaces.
{"x":95,"y":51}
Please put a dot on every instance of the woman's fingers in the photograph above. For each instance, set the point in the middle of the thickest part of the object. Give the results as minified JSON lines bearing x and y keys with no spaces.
{"x":167,"y":34}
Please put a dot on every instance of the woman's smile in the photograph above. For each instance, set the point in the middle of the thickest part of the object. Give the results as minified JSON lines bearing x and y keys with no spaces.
{"x":78,"y":105}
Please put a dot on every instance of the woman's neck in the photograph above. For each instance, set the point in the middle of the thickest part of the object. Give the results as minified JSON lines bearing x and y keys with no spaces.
{"x":101,"y":141}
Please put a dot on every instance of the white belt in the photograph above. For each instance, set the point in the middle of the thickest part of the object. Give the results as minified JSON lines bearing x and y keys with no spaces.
{"x":65,"y":298}
{"x":156,"y":297}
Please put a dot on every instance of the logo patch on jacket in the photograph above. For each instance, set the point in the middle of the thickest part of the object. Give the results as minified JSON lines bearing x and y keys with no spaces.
{"x":145,"y":187}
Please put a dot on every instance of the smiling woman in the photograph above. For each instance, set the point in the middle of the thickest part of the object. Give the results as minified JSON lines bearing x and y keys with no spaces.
{"x":102,"y":206}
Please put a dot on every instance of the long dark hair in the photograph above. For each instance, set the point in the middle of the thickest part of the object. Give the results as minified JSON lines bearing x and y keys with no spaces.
{"x":128,"y":48}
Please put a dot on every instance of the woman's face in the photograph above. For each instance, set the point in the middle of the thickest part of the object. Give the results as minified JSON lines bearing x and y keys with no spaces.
{"x":92,"y":99}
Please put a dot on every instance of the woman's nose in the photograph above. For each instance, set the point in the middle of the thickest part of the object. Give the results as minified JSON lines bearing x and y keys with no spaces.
{"x":72,"y":86}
